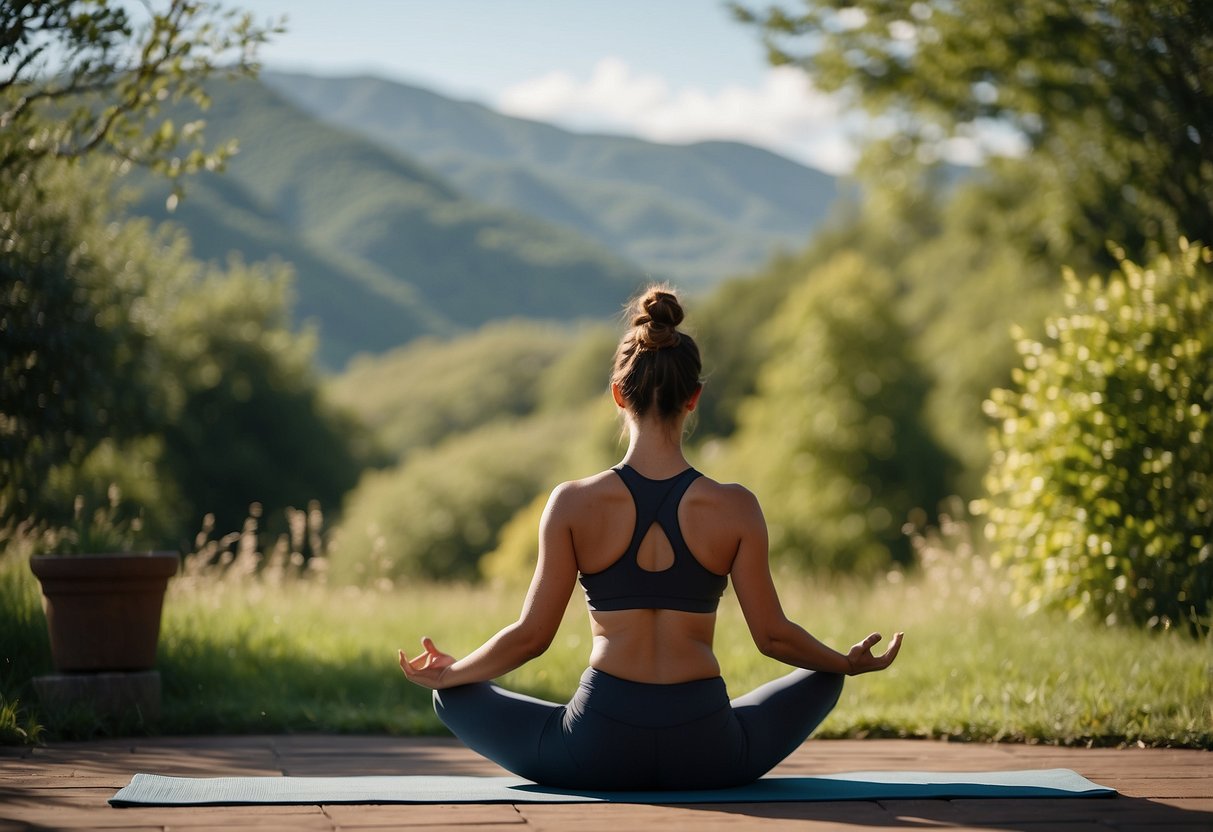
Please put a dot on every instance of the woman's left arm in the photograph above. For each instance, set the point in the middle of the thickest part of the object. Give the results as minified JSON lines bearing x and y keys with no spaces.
{"x":529,"y":636}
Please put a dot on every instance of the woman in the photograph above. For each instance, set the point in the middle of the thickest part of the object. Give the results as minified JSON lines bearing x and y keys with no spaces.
{"x":651,"y":711}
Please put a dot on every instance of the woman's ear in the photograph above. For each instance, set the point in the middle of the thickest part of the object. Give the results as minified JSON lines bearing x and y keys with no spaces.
{"x":693,"y":401}
{"x":617,"y":394}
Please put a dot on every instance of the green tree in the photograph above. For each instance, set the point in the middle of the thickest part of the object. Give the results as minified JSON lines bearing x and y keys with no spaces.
{"x":439,"y":511}
{"x":728,"y":325}
{"x":1112,"y":96}
{"x":418,"y":394}
{"x":83,"y":382}
{"x":1101,"y":491}
{"x":832,"y":441}
{"x":88,"y":77}
{"x":78,"y":363}
{"x":127,"y":361}
{"x":980,"y":269}
{"x":248,"y":422}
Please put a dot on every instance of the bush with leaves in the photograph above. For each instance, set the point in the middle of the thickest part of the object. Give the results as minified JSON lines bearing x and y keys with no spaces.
{"x":597,"y":445}
{"x":79,"y":362}
{"x":435,"y":514}
{"x":249,"y":424}
{"x":417,"y":395}
{"x":833,"y":442}
{"x":1101,"y":490}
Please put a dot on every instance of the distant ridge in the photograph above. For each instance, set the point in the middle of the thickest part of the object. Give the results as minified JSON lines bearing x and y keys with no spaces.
{"x":384,"y":248}
{"x":696,"y":213}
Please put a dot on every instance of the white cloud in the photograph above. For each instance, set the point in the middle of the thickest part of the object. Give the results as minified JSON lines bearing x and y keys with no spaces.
{"x":784,"y":113}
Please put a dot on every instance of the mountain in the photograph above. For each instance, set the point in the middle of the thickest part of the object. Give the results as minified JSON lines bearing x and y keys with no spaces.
{"x":695,"y":213}
{"x":356,"y":306}
{"x":384,"y":249}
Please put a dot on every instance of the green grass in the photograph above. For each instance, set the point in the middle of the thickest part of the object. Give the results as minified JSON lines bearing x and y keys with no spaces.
{"x":257,"y":655}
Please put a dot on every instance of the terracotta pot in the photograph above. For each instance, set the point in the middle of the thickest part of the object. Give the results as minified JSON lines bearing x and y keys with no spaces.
{"x":103,"y":611}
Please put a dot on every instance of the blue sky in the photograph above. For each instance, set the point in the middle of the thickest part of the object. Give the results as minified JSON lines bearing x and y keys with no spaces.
{"x":667,"y":70}
{"x":475,"y":48}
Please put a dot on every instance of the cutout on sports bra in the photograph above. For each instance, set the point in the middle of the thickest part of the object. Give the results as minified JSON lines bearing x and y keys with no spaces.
{"x":657,"y":571}
{"x":656,"y":553}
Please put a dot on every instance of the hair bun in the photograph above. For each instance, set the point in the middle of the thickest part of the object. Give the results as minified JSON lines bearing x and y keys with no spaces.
{"x":656,"y":321}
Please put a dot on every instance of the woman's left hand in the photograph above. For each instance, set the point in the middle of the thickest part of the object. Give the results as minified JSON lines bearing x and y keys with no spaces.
{"x":428,"y":669}
{"x":861,"y":660}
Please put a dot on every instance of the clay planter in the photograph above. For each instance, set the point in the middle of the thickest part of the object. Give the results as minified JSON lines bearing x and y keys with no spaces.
{"x":103,"y":611}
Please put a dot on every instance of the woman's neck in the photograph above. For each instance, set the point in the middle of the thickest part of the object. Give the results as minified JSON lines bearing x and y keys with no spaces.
{"x":655,"y":449}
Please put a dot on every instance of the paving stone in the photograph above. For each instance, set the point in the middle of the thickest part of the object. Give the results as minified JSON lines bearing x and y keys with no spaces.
{"x":803,"y":817}
{"x":427,"y":815}
{"x":1164,"y":787}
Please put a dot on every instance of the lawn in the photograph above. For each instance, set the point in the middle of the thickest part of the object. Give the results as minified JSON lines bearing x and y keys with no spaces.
{"x":242,"y":654}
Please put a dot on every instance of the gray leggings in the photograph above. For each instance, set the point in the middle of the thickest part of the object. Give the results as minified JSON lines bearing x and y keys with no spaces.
{"x":618,"y":734}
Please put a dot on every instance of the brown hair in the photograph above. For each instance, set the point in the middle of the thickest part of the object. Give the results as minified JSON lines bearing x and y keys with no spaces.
{"x":656,"y":366}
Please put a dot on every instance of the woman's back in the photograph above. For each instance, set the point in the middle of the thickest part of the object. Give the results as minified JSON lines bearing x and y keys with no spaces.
{"x":654,"y":544}
{"x":656,"y":645}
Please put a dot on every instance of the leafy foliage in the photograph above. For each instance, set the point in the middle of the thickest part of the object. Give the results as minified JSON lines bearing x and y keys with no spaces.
{"x":973,"y":265}
{"x":441,"y":510}
{"x":581,"y":373}
{"x":1112,"y":96}
{"x":417,"y":395}
{"x":85,"y":77}
{"x":1101,"y":492}
{"x":79,"y":362}
{"x":250,"y":424}
{"x":597,"y":446}
{"x":513,"y":560}
{"x":832,"y":441}
{"x":729,"y":324}
{"x":435,"y":514}
{"x":478,"y":426}
{"x":129,"y":363}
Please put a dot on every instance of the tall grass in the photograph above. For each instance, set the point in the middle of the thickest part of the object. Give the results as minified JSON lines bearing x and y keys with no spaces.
{"x":261,"y":644}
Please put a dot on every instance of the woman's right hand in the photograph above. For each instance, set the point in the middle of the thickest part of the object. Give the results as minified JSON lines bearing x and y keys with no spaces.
{"x":428,"y":669}
{"x":860,"y":657}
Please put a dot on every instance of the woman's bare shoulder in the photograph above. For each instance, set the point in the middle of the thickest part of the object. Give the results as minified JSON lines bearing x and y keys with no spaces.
{"x":729,"y":505}
{"x":730,"y":492}
{"x":577,"y":494}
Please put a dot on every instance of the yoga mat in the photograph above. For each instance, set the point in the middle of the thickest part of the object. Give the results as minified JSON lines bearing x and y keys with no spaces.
{"x":156,"y":790}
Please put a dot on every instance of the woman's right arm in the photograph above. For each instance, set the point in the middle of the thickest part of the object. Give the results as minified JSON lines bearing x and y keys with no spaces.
{"x":529,"y":636}
{"x":774,"y":634}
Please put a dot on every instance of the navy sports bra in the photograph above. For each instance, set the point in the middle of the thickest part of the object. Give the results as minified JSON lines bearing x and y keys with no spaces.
{"x":685,"y":586}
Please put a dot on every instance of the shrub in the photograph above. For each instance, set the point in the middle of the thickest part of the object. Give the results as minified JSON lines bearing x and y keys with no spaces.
{"x":514,"y":559}
{"x":436,"y":513}
{"x":1101,"y":488}
{"x":832,"y":441}
{"x":422,"y":393}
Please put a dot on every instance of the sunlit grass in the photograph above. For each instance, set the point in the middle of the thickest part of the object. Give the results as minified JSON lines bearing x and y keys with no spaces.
{"x":274,"y":653}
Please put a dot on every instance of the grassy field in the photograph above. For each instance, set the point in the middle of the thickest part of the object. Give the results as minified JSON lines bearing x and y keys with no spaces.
{"x":240,"y":654}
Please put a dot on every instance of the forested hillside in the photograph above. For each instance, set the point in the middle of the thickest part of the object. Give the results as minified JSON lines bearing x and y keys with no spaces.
{"x":695,"y":213}
{"x":405,"y":214}
{"x":384,"y":249}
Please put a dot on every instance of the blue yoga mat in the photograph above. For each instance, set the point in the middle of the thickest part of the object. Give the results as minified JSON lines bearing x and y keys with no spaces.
{"x":156,"y":790}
